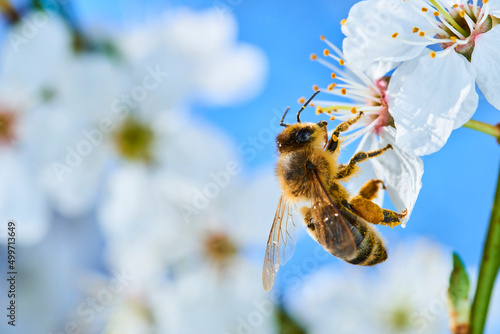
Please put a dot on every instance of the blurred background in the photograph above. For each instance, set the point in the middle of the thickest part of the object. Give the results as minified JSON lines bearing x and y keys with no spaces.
{"x":137,"y":161}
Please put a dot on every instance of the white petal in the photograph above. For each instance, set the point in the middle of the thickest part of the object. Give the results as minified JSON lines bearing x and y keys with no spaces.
{"x":486,"y":61}
{"x":428,"y":98}
{"x":401,"y":173}
{"x":494,"y":8}
{"x":369,"y":29}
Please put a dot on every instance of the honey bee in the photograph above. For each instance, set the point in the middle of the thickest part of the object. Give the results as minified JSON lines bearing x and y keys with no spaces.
{"x":310,"y":177}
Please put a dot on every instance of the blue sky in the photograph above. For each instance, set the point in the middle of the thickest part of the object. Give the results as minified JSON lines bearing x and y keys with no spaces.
{"x":459,"y":181}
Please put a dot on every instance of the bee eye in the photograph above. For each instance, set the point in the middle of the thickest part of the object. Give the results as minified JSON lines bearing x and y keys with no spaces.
{"x":303,"y":136}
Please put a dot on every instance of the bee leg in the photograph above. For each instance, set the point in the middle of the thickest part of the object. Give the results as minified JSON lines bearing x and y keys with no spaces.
{"x":370,"y":189}
{"x":359,"y":157}
{"x":392,"y":218}
{"x":344,"y":126}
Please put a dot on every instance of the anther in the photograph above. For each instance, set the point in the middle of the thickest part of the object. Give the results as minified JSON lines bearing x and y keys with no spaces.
{"x":333,"y":75}
{"x":432,"y":54}
{"x":341,"y":62}
{"x":421,"y":34}
{"x":342,"y":22}
{"x":455,"y":5}
{"x":462,"y":13}
{"x":322,"y":37}
{"x":354,"y":110}
{"x":319,"y":110}
{"x":453,"y":39}
{"x":332,"y":118}
{"x":395,"y":35}
{"x":331,"y":86}
{"x":343,"y":91}
{"x":436,"y":13}
{"x":415,"y":30}
{"x":315,"y":88}
{"x":326,"y":52}
{"x":301,"y":100}
{"x":424,"y":9}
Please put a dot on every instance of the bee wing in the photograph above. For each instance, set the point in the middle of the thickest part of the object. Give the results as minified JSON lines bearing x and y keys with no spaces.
{"x":281,"y":243}
{"x":332,"y":231}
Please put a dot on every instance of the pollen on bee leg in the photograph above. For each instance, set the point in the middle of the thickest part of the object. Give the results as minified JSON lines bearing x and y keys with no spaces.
{"x":432,"y":54}
{"x":331,"y":86}
{"x":343,"y":91}
{"x":301,"y":100}
{"x":326,"y":52}
{"x":313,"y":56}
{"x":395,"y":35}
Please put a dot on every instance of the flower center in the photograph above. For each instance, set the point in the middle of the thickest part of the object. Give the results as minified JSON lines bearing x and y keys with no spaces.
{"x":382,"y":118}
{"x":7,"y":127}
{"x":455,"y":27}
{"x":134,"y":140}
{"x":219,"y":248}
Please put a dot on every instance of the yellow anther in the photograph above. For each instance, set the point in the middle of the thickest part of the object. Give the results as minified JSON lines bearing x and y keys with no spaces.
{"x":453,"y":39}
{"x":341,"y":62}
{"x":343,"y":91}
{"x":332,"y":118}
{"x":331,"y":86}
{"x":322,"y":37}
{"x":354,"y":110}
{"x":319,"y":110}
{"x":455,"y":5}
{"x":301,"y":100}
{"x":432,"y":54}
{"x":415,"y":30}
{"x":313,"y":56}
{"x":436,"y":13}
{"x":311,"y":104}
{"x":485,"y":1}
{"x":335,"y":109}
{"x":326,"y":52}
{"x":333,"y":75}
{"x":424,"y":9}
{"x":342,"y":22}
{"x":395,"y":35}
{"x":462,"y":13}
{"x":421,"y":34}
{"x":315,"y":88}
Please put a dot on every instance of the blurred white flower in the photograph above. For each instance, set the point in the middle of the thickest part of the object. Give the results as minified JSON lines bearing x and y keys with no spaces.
{"x":366,"y":91}
{"x":197,"y":55}
{"x":392,"y":30}
{"x":407,"y":294}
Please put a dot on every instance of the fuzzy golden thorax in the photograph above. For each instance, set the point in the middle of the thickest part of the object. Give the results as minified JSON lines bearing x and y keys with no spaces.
{"x":301,"y":135}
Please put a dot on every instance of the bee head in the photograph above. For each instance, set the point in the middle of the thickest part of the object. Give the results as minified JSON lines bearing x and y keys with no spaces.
{"x":302,"y":135}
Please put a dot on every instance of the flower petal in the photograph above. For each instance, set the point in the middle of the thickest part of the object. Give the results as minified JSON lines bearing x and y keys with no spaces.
{"x":369,"y":29}
{"x":428,"y":98}
{"x":486,"y":61}
{"x":401,"y":172}
{"x":494,"y":8}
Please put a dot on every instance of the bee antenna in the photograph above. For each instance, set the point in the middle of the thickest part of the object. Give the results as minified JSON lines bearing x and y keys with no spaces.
{"x":283,"y":118}
{"x":305,"y":105}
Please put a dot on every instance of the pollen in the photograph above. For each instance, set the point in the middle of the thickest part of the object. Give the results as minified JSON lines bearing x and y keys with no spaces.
{"x":455,"y":5}
{"x":415,"y":30}
{"x":331,"y":86}
{"x":395,"y":35}
{"x":315,"y":88}
{"x":342,"y":22}
{"x":453,"y":39}
{"x":354,"y":110}
{"x":333,"y":75}
{"x":343,"y":91}
{"x":462,"y":13}
{"x":326,"y":52}
{"x":301,"y":100}
{"x":341,"y":62}
{"x":332,"y":118}
{"x":322,"y":37}
{"x":432,"y":54}
{"x":311,"y":104}
{"x":421,"y":34}
{"x":319,"y":110}
{"x":424,"y":9}
{"x":436,"y":13}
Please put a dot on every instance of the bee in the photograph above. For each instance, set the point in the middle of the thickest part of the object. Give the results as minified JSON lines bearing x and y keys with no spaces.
{"x":310,"y":177}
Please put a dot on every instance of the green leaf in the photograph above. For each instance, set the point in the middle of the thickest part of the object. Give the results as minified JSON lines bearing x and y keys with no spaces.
{"x":458,"y":295}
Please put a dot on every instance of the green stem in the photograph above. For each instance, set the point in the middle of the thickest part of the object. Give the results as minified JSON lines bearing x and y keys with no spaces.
{"x":448,"y":17}
{"x":490,"y":265}
{"x":9,"y":11}
{"x":489,"y":129}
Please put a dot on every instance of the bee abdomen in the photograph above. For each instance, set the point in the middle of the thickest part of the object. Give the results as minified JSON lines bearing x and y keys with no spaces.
{"x":370,"y":247}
